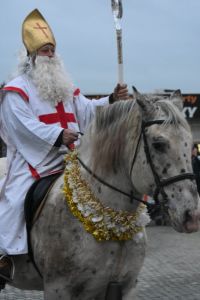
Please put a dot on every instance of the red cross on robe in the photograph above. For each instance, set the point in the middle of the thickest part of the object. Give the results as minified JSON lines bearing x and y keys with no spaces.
{"x":60,"y":116}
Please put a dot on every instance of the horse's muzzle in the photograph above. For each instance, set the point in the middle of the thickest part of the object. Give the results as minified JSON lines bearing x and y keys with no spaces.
{"x":191,"y":221}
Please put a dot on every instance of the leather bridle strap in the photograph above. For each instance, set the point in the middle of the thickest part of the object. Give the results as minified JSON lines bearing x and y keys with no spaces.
{"x":149,"y":159}
{"x":109,"y":185}
{"x":171,"y":180}
{"x":160,"y":184}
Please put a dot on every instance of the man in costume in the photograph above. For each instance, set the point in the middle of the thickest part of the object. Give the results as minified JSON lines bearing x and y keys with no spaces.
{"x":41,"y":115}
{"x":196,"y":165}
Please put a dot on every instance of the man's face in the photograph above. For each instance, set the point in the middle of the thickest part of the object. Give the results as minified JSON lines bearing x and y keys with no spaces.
{"x":46,"y":50}
{"x":49,"y":77}
{"x":194,"y":151}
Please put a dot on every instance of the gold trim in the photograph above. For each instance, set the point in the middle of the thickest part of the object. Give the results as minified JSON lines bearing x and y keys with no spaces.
{"x":104,"y":223}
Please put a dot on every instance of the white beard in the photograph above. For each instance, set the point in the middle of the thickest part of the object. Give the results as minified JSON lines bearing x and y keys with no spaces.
{"x":51,"y":81}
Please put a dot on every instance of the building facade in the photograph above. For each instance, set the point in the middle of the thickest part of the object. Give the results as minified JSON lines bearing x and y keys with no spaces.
{"x":191,"y":110}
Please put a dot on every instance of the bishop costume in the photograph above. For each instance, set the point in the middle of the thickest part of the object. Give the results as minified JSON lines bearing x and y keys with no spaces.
{"x":30,"y":127}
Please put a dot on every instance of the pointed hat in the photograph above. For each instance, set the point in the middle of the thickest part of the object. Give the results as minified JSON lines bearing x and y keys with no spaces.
{"x":36,"y":32}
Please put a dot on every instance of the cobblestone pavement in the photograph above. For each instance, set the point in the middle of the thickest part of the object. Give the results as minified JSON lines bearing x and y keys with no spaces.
{"x":171,"y":270}
{"x":172,"y":266}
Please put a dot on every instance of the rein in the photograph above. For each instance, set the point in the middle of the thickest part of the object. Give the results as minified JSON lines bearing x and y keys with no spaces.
{"x":160,"y":183}
{"x":109,"y":185}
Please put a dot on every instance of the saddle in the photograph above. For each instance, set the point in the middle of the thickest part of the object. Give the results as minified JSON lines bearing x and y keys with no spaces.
{"x":36,"y":198}
{"x":34,"y":202}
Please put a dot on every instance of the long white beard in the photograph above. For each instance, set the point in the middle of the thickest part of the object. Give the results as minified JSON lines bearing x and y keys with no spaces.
{"x":50,"y":79}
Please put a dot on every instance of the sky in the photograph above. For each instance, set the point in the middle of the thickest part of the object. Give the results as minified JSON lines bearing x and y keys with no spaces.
{"x":161,"y":42}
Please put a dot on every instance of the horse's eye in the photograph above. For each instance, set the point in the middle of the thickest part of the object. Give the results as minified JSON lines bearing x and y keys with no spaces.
{"x":159,"y":146}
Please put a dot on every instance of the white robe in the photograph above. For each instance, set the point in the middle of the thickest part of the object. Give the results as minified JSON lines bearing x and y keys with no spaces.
{"x":31,"y":151}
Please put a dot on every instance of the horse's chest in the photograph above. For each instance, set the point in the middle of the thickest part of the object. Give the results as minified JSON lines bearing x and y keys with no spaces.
{"x":100,"y":258}
{"x":97,"y":263}
{"x":85,"y":265}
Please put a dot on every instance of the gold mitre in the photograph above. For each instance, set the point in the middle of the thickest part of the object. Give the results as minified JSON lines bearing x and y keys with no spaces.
{"x":36,"y":32}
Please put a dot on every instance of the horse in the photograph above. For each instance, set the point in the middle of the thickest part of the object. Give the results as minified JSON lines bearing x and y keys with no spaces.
{"x":91,"y":230}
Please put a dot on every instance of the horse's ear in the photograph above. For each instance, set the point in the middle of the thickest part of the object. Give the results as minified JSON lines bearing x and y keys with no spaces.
{"x":177,"y":99}
{"x":147,"y":108}
{"x":136,"y":94}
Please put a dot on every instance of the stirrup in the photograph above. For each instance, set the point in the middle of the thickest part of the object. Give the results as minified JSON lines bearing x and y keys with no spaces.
{"x":4,"y":279}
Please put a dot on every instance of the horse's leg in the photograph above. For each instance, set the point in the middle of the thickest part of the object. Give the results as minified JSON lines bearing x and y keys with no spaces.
{"x":56,"y":290}
{"x":131,"y":295}
{"x":114,"y":291}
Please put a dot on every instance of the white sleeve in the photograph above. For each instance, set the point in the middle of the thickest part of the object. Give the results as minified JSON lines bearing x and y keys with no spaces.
{"x":85,"y":109}
{"x":32,"y":138}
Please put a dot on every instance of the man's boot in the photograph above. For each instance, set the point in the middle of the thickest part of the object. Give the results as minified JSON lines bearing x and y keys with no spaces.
{"x":6,"y":270}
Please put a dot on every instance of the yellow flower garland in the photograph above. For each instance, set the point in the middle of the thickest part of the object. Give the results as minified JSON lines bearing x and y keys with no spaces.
{"x":103,"y":223}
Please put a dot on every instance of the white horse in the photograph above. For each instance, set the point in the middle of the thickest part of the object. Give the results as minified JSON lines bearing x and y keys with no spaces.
{"x":91,"y":229}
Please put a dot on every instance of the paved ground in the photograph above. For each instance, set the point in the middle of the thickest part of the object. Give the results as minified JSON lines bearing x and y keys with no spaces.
{"x":172,"y":266}
{"x":171,"y":270}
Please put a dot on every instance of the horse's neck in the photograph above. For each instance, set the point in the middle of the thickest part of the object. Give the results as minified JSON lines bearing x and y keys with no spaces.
{"x":108,"y":196}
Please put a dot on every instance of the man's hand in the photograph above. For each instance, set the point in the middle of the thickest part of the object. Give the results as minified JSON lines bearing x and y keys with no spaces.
{"x":120,"y":93}
{"x":69,"y":137}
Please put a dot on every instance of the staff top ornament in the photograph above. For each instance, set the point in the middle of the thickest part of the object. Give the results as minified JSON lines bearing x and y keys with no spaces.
{"x":117,"y":12}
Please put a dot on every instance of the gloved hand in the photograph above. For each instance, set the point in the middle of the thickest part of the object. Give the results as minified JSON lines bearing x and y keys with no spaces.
{"x":120,"y":93}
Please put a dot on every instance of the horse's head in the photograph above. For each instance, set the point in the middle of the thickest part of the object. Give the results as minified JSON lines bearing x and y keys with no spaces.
{"x":144,"y":147}
{"x":162,"y":166}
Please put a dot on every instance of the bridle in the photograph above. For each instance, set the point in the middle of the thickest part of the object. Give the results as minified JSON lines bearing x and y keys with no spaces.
{"x":160,"y":183}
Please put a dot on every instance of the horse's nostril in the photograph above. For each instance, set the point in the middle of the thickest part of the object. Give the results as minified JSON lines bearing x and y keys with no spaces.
{"x":191,"y":222}
{"x":188,"y":216}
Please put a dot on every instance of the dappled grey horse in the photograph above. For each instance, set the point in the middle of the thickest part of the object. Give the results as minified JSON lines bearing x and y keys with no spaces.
{"x":91,"y":230}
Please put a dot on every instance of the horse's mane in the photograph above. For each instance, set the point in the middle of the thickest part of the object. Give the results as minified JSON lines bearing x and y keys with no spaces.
{"x":109,"y":131}
{"x":120,"y":122}
{"x":172,"y":113}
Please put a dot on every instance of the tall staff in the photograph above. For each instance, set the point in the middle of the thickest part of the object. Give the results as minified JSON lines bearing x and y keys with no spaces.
{"x":117,"y":14}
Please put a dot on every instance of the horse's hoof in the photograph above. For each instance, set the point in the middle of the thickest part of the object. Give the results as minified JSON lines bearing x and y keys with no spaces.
{"x":2,"y":284}
{"x":6,"y":269}
{"x":114,"y":291}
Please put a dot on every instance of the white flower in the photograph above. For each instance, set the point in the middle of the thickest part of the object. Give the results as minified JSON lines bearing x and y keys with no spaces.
{"x":143,"y":219}
{"x":138,"y":236}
